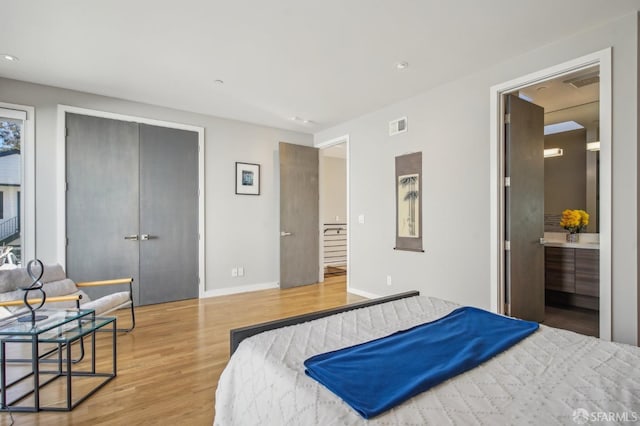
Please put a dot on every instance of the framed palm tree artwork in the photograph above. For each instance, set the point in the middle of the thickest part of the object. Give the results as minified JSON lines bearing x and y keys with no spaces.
{"x":409,"y":202}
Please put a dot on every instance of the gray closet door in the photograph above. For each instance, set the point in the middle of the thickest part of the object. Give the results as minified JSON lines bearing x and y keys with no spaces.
{"x":299,"y":215}
{"x":132,"y":207}
{"x":168,"y":214}
{"x":102,"y":200}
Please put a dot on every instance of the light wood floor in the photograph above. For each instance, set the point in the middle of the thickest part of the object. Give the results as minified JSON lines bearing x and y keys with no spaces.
{"x":168,"y":367}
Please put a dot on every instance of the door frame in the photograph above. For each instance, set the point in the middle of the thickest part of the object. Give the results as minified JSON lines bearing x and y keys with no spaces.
{"x":496,"y":178}
{"x":322,"y":145}
{"x":28,"y":191}
{"x":61,"y":252}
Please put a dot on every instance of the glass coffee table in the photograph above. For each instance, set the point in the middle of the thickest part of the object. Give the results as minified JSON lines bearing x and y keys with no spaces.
{"x":44,"y":351}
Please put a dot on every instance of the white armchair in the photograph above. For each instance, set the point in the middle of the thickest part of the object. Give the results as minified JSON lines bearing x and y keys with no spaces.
{"x":62,"y":293}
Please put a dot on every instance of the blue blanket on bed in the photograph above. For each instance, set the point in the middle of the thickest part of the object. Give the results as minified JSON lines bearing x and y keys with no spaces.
{"x":375,"y":376}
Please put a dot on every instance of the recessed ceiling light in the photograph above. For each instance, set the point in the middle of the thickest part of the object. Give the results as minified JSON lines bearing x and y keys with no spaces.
{"x":304,"y":120}
{"x":402,"y":65}
{"x":10,"y":58}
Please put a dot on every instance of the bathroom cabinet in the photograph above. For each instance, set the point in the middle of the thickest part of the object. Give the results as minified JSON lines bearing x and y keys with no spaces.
{"x":572,"y":276}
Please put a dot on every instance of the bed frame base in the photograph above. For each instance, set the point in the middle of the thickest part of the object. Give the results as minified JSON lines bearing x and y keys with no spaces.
{"x":237,"y":335}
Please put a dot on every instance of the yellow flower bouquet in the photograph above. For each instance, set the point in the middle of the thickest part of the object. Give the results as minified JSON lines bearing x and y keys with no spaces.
{"x":574,"y":221}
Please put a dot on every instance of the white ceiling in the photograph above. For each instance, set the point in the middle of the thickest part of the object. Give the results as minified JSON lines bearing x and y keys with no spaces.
{"x":327,"y":61}
{"x":564,"y":102}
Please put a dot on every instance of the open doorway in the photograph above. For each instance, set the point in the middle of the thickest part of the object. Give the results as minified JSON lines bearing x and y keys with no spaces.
{"x":334,"y":229}
{"x":571,"y":106}
{"x":576,"y":275}
{"x":558,"y":283}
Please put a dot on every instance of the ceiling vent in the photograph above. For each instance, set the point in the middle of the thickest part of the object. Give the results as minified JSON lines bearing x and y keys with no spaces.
{"x":398,"y":126}
{"x":584,"y":80}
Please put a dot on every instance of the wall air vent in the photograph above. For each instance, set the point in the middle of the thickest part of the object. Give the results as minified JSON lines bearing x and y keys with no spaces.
{"x":398,"y":126}
{"x":584,"y":80}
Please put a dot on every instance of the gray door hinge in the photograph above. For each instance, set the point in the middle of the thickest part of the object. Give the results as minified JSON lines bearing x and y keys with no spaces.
{"x":507,"y":182}
{"x":507,"y":245}
{"x":507,"y":119}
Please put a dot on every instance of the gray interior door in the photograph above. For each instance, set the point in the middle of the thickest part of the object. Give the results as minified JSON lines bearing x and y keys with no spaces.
{"x":132,"y":207}
{"x":524,"y":202}
{"x":101,"y":201}
{"x":299,"y":215}
{"x":168,"y":214}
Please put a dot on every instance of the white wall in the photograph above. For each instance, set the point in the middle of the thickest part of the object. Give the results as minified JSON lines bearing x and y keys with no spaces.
{"x":334,"y":189}
{"x":240,"y":230}
{"x":450,"y":125}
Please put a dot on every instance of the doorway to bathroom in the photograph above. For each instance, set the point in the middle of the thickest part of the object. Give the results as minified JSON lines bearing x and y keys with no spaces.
{"x":545,"y":168}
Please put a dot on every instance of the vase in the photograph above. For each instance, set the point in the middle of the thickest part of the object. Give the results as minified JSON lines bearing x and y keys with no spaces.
{"x":572,"y":237}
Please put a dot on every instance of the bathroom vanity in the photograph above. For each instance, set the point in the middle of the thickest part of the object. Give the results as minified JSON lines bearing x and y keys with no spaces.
{"x":572,"y":272}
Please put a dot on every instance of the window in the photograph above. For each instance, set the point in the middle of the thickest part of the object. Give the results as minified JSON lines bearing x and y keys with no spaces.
{"x":12,"y":168}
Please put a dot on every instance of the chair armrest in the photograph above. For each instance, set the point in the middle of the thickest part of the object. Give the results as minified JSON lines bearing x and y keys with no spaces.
{"x":72,"y":297}
{"x":105,"y":282}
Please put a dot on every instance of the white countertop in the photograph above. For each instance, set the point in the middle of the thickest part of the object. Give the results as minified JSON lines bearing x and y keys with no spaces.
{"x":588,"y":246}
{"x":587,"y":241}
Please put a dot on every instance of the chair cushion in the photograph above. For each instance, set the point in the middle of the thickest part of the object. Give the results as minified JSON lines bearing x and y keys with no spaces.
{"x":13,"y":295}
{"x":62,"y":287}
{"x":13,"y":279}
{"x":108,"y":303}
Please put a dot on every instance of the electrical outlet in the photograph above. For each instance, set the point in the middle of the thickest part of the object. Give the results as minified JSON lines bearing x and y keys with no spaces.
{"x":388,"y":279}
{"x":240,"y":271}
{"x":234,"y":272}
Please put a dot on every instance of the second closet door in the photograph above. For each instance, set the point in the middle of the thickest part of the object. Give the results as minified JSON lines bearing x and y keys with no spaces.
{"x":168,"y":214}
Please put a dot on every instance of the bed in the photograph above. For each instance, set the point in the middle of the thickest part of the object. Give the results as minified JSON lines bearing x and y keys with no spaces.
{"x":551,"y":377}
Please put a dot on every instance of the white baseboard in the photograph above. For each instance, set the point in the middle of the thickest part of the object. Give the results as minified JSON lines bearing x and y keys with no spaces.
{"x":362,"y":293}
{"x":240,"y":289}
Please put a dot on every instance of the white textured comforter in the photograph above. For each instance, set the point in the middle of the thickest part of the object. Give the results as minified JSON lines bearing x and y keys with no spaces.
{"x":552,"y":377}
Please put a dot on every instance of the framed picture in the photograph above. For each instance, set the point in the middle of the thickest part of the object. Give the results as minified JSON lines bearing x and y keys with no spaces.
{"x":409,"y":202}
{"x":247,"y":179}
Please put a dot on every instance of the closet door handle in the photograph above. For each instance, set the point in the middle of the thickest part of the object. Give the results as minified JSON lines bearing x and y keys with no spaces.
{"x":145,"y":237}
{"x":131,"y":237}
